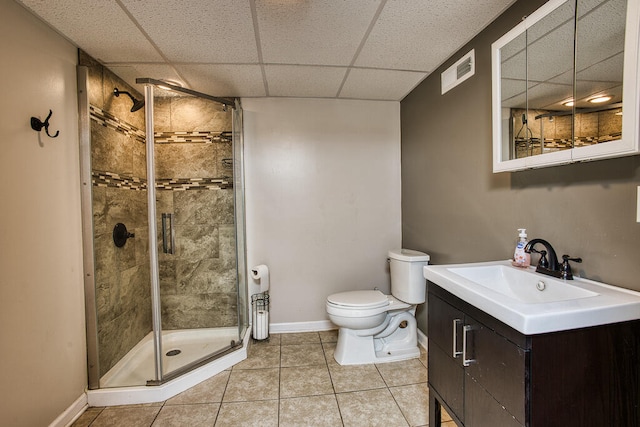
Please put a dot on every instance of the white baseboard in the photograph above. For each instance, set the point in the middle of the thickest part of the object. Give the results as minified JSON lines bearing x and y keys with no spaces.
{"x":319,"y":325}
{"x":72,"y":413}
{"x":326,"y":325}
{"x":323,"y":325}
{"x":422,"y":340}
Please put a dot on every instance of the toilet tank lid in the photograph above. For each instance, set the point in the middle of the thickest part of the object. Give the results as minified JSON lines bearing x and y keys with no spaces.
{"x":408,"y":255}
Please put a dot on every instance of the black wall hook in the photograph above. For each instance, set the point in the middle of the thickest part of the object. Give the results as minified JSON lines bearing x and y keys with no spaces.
{"x":37,"y":125}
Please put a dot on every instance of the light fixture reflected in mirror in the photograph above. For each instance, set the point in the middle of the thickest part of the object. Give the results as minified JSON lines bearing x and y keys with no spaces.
{"x":600,"y":99}
{"x":568,"y":103}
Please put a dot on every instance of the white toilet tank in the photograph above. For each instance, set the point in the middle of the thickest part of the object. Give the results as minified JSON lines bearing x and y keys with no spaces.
{"x":407,"y":281}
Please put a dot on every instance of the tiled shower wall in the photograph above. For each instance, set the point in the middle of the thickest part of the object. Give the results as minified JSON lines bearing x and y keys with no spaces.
{"x":198,"y":282}
{"x":590,"y":128}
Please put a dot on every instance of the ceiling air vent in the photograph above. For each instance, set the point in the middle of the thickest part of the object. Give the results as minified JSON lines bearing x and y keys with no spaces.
{"x":464,"y":68}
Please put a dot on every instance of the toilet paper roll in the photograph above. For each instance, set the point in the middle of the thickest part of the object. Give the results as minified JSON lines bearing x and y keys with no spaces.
{"x":261,"y":325}
{"x":261,"y":272}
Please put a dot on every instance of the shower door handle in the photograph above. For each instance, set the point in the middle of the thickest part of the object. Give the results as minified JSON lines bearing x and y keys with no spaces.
{"x":168,"y":239}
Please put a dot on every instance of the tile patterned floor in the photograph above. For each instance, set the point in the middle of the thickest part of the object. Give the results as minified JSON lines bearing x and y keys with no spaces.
{"x":289,"y":380}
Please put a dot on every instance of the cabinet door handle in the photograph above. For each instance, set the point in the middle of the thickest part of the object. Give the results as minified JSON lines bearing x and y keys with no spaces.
{"x":465,"y":360}
{"x":455,"y":353}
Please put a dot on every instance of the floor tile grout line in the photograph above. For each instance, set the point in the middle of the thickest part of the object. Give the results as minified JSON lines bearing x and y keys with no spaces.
{"x":325,"y":365}
{"x":226,"y":384}
{"x":333,"y":387}
{"x":157,"y":413}
{"x":399,"y":407}
{"x":280,"y":381}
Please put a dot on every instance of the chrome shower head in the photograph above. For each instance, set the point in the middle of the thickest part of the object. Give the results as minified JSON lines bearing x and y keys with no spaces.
{"x":137,"y":104}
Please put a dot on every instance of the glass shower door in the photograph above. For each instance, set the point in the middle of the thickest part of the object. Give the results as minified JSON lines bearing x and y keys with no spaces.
{"x":195,"y":216}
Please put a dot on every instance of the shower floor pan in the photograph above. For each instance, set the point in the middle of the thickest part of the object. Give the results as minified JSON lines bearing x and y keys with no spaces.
{"x":179,"y":348}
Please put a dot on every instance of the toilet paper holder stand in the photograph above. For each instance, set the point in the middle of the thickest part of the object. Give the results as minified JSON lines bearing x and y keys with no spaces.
{"x":260,"y":315}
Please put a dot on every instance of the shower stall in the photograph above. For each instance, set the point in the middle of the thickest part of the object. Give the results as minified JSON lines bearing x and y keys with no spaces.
{"x":165,"y":281}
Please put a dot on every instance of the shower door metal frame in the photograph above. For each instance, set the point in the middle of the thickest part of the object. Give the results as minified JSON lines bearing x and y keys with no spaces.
{"x":156,"y":316}
{"x":86,"y":203}
{"x":239,"y":212}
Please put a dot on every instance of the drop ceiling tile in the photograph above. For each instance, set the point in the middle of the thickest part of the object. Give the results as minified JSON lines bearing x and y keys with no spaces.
{"x":304,"y":81}
{"x":610,"y":70}
{"x":387,"y":85}
{"x":224,"y":80}
{"x":420,"y":35}
{"x":100,"y":28}
{"x":544,"y":95}
{"x":513,"y":93}
{"x":219,"y":31}
{"x":211,"y":44}
{"x":313,"y":32}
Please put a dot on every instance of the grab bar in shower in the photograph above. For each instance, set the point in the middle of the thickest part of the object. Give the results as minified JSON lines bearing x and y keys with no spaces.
{"x":168,"y":236}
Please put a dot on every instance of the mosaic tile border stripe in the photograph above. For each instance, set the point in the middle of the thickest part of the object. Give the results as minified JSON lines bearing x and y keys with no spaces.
{"x":113,"y":180}
{"x":108,"y":120}
{"x":566,"y":142}
{"x":178,"y":184}
{"x":202,"y":137}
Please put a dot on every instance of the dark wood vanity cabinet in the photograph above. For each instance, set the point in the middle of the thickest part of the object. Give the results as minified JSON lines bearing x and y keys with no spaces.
{"x":487,"y":374}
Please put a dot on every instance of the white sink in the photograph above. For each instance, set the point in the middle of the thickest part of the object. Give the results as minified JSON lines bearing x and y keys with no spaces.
{"x":522,"y":285}
{"x":534,"y":303}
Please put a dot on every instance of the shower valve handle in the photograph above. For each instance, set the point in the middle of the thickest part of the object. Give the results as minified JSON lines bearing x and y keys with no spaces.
{"x":120,"y":235}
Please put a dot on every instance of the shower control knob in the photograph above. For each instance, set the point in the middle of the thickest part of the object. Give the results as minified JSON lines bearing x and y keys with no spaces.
{"x":120,"y":234}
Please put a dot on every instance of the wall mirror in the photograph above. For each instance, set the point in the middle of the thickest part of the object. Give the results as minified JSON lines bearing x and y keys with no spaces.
{"x":561,"y":78}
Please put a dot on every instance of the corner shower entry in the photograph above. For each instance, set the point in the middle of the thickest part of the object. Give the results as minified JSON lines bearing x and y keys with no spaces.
{"x":162,"y":309}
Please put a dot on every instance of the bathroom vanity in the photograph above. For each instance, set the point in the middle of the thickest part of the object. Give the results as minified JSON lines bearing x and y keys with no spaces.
{"x":485,"y":372}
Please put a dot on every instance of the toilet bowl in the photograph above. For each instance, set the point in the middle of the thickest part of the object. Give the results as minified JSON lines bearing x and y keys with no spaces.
{"x":361,"y":310}
{"x":374,"y":327}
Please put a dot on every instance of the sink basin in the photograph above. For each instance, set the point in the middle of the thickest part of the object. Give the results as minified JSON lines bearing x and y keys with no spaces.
{"x":533,"y":303}
{"x":522,"y":285}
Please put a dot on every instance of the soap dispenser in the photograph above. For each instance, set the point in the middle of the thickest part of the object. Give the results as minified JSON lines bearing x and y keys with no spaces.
{"x":520,"y":257}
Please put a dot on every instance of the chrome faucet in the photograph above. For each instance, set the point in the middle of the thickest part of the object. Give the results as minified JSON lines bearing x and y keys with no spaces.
{"x":550,"y":266}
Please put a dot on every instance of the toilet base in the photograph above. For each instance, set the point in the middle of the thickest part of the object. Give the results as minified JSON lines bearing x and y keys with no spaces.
{"x":398,"y":342}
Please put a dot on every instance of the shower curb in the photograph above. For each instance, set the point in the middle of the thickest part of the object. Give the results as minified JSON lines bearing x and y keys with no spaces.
{"x":150,"y":394}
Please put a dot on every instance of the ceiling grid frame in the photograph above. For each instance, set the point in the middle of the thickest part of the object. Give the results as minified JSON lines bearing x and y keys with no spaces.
{"x":369,"y":49}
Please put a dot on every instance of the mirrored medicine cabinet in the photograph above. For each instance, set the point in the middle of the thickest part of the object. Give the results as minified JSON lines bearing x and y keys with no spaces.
{"x":565,"y":85}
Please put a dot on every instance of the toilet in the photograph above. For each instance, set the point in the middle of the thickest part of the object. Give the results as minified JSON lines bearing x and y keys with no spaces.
{"x":375,"y":327}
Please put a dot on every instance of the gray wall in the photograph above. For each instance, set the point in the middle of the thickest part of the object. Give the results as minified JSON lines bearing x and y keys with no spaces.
{"x":457,"y":210}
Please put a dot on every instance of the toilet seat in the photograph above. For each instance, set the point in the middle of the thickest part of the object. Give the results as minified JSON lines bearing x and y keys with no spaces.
{"x":362,"y":303}
{"x":359,"y":299}
{"x":357,"y":303}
